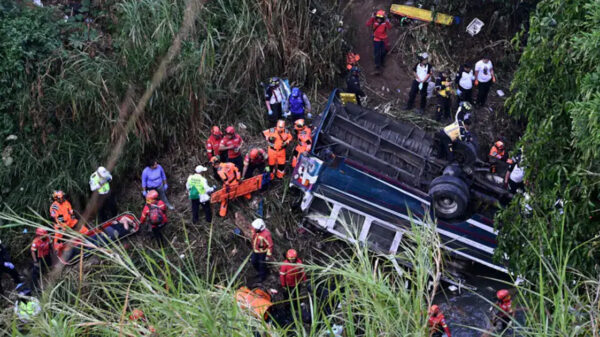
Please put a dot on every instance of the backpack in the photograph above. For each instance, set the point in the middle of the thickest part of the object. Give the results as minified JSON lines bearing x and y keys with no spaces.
{"x":155,"y":215}
{"x":194,"y":194}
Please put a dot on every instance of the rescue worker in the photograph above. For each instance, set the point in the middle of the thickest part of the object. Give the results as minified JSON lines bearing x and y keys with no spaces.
{"x":63,"y":215}
{"x":255,"y":159}
{"x":379,"y":25}
{"x":213,"y":143}
{"x":353,"y":84}
{"x":231,"y":144}
{"x":515,"y":175}
{"x":262,"y":248}
{"x":299,"y":105}
{"x":199,"y":194}
{"x":155,"y":214}
{"x":291,"y":273}
{"x":40,"y":254}
{"x":304,"y":136}
{"x":484,"y":77}
{"x":278,"y":139}
{"x":230,"y":176}
{"x":138,"y":316}
{"x":444,"y":91}
{"x":422,"y":72}
{"x":504,"y":312}
{"x":26,"y":306}
{"x":498,"y":152}
{"x":464,"y":80}
{"x":257,"y":301}
{"x":6,"y":266}
{"x":154,"y":178}
{"x":437,"y":323}
{"x":273,"y":100}
{"x":457,"y":131}
{"x":99,"y":181}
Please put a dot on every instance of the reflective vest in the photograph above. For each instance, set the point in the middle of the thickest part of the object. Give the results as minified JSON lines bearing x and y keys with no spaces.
{"x":276,"y":139}
{"x":297,"y":104}
{"x":257,"y":300}
{"x":304,"y":140}
{"x":455,"y":131}
{"x":96,"y":180}
{"x":198,"y":182}
{"x":62,"y":213}
{"x":262,"y":242}
{"x":41,"y":247}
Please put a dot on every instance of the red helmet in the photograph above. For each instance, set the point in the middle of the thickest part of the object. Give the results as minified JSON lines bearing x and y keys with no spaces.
{"x":299,"y":124}
{"x":253,"y":154}
{"x":215,"y":131}
{"x":434,"y":310}
{"x":380,"y":14}
{"x":230,"y":130}
{"x":58,"y":195}
{"x":503,"y":294}
{"x":499,"y":145}
{"x":151,"y":196}
{"x":291,"y":254}
{"x":137,"y":314}
{"x":280,"y":125}
{"x":41,"y":231}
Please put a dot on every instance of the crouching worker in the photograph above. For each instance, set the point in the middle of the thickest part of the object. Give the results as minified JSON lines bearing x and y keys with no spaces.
{"x":437,"y":323}
{"x":26,"y":306}
{"x":457,"y":131}
{"x":155,"y":214}
{"x":259,"y":304}
{"x":41,"y":248}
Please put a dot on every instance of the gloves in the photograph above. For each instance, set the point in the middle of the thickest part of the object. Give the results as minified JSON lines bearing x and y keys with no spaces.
{"x":268,"y":169}
{"x":144,"y":192}
{"x":270,"y":112}
{"x":309,"y":115}
{"x":458,"y":92}
{"x":165,"y":186}
{"x":494,"y":79}
{"x":9,"y":265}
{"x":476,"y":82}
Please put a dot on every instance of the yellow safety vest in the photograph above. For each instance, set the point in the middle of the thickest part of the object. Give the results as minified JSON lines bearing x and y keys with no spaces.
{"x":197,"y":181}
{"x":104,"y":188}
{"x":453,"y":131}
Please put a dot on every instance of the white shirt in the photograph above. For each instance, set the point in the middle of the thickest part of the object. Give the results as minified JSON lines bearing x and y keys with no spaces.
{"x":484,"y":71}
{"x":276,"y":96}
{"x":466,"y":80}
{"x":517,"y":174}
{"x":422,"y":71}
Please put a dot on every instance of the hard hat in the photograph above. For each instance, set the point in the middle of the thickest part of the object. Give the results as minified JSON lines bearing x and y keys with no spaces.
{"x":291,"y":254}
{"x":258,"y":224}
{"x":103,"y":172}
{"x":253,"y":154}
{"x":466,"y":106}
{"x":273,"y":82}
{"x":295,"y":92}
{"x":58,"y":195}
{"x":230,"y":130}
{"x":215,"y":160}
{"x":200,"y":169}
{"x":40,"y":231}
{"x":151,"y":196}
{"x":280,"y":125}
{"x":503,"y":294}
{"x":424,"y":56}
{"x":299,"y":124}
{"x":216,"y":131}
{"x":380,"y":14}
{"x":499,"y":145}
{"x":434,"y":309}
{"x":136,"y":314}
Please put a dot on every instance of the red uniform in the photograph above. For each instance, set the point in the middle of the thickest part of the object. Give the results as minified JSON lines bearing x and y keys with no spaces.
{"x":260,"y":159}
{"x":235,"y":142}
{"x":304,"y":143}
{"x":146,"y":211}
{"x":290,"y":275}
{"x":505,"y":311}
{"x":41,"y":247}
{"x":380,"y":30}
{"x":212,"y":146}
{"x":262,"y":242}
{"x":437,"y":324}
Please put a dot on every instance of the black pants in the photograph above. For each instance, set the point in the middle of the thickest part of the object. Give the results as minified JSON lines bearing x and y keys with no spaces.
{"x":445,"y":146}
{"x":237,"y":161}
{"x":414,"y":89}
{"x":513,"y":186}
{"x":12,"y":272}
{"x":295,"y":117}
{"x":205,"y":207}
{"x":276,"y":109}
{"x":108,"y":208}
{"x":252,"y":168}
{"x":38,"y":269}
{"x":216,"y":174}
{"x":443,"y":107}
{"x":466,"y":95}
{"x":259,"y":262}
{"x":157,"y":234}
{"x":482,"y":93}
{"x":379,"y":53}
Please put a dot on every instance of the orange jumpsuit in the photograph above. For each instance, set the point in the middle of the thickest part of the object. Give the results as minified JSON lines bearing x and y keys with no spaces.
{"x":304,"y":144}
{"x":62,"y":213}
{"x":230,"y":175}
{"x":277,"y":140}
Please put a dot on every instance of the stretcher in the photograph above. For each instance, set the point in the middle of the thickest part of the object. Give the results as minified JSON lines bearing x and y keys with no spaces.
{"x":100,"y":236}
{"x":244,"y":188}
{"x":424,"y":15}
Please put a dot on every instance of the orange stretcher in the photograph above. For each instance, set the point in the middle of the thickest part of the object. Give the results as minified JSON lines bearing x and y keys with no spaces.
{"x":244,"y":188}
{"x":423,"y":15}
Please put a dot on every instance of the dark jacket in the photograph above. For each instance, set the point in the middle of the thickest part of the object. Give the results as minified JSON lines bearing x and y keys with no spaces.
{"x":353,"y":85}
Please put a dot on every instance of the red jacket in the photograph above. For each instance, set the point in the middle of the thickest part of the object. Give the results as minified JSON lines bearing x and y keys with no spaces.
{"x":236,"y":142}
{"x":146,"y":211}
{"x":262,"y":242}
{"x":212,"y":146}
{"x":379,"y":29}
{"x":438,"y":323}
{"x":505,"y":309}
{"x":290,"y":274}
{"x":41,"y":247}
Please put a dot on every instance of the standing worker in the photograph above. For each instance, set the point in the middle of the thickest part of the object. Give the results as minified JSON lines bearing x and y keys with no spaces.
{"x":299,"y":105}
{"x":443,"y":86}
{"x":304,"y":134}
{"x":198,"y":192}
{"x":155,"y":214}
{"x":154,"y":178}
{"x":457,"y":131}
{"x":262,"y":248}
{"x":273,"y":100}
{"x":464,"y":80}
{"x":437,"y":323}
{"x":353,"y":84}
{"x":99,"y":181}
{"x":291,"y":273}
{"x":379,"y":25}
{"x":484,"y":77}
{"x":504,"y":312}
{"x":515,"y":175}
{"x":278,"y":139}
{"x":230,"y":146}
{"x":255,"y":159}
{"x":63,"y":215}
{"x":40,"y":254}
{"x":421,"y":72}
{"x":214,"y":142}
{"x":6,"y":266}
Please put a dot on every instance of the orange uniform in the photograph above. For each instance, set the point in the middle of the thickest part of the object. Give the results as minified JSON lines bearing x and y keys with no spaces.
{"x":497,"y":153}
{"x":229,"y":174}
{"x":41,"y":247}
{"x":256,"y":300}
{"x":262,"y":242}
{"x":304,"y":144}
{"x":278,"y":140}
{"x":290,"y":274}
{"x":62,"y":213}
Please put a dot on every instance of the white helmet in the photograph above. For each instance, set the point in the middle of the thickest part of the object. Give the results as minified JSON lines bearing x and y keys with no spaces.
{"x":200,"y":169}
{"x":258,"y":224}
{"x":103,"y":172}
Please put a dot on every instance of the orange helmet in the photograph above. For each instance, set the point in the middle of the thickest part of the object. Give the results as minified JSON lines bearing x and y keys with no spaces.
{"x":253,"y":154}
{"x":137,"y":314}
{"x":503,"y":295}
{"x":215,"y":131}
{"x":291,"y":254}
{"x":499,"y":145}
{"x":280,"y":125}
{"x":230,"y":130}
{"x":380,"y":14}
{"x":40,"y":231}
{"x":151,"y":196}
{"x":299,"y":124}
{"x":58,"y":195}
{"x":215,"y":160}
{"x":434,"y":310}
